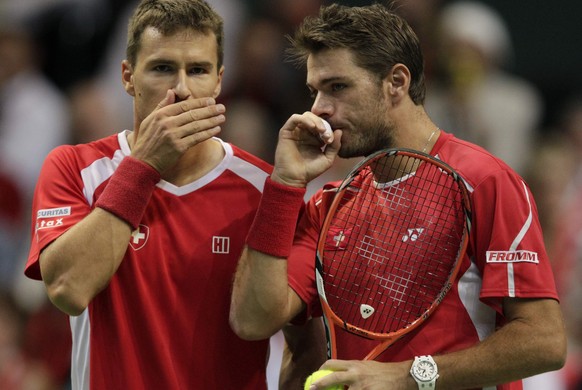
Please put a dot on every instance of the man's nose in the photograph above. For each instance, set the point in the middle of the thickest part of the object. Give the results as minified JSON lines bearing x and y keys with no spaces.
{"x":182,"y":89}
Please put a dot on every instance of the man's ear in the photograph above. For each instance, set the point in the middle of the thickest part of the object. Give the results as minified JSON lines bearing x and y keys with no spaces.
{"x":219,"y":84}
{"x":398,"y":81}
{"x":127,"y":77}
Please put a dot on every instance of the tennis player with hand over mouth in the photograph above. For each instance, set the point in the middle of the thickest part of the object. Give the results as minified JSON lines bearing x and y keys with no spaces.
{"x":499,"y":322}
{"x":137,"y":235}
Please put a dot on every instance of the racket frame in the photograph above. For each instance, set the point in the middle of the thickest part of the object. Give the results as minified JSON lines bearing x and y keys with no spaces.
{"x":330,"y":317}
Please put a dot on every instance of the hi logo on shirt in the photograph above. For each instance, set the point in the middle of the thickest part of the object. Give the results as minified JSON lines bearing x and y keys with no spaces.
{"x":221,"y":245}
{"x":139,"y":237}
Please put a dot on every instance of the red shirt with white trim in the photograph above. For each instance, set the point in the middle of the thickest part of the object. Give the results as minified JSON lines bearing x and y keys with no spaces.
{"x":506,"y":257}
{"x":162,"y":322}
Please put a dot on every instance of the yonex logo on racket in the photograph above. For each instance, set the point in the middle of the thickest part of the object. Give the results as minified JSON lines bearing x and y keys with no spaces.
{"x":366,"y":311}
{"x":413,"y":234}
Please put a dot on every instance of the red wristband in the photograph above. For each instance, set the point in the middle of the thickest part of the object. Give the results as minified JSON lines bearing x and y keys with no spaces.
{"x":129,"y":190}
{"x":274,"y":226}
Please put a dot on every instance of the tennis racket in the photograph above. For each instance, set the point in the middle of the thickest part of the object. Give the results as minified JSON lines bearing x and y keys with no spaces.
{"x":391,"y":246}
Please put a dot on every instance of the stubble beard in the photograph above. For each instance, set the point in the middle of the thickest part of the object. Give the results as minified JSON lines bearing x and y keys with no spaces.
{"x":367,"y":139}
{"x":371,"y":132}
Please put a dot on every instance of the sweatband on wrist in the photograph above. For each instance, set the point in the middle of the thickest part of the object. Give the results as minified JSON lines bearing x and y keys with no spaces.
{"x":274,"y":226}
{"x":129,"y":190}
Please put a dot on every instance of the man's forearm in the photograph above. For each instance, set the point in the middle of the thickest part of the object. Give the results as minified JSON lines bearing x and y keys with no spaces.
{"x":526,"y":346}
{"x":305,"y":351}
{"x":262,"y":302}
{"x":80,"y":263}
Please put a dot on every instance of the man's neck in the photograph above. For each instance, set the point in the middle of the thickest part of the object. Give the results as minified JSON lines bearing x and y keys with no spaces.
{"x":195,"y":163}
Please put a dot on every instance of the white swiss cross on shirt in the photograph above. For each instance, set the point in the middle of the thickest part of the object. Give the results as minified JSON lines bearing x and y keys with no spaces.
{"x":139,"y":237}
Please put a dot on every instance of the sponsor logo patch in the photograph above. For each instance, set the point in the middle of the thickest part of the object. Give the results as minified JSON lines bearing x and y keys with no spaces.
{"x":50,"y":218}
{"x":221,"y":245}
{"x":48,"y":223}
{"x":52,"y":213}
{"x":512,"y":257}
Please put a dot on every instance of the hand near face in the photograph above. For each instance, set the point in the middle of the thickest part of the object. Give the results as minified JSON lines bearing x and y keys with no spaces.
{"x":174,"y":127}
{"x":303,"y":151}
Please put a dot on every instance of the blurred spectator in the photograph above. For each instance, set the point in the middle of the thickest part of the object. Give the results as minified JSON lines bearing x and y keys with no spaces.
{"x":286,"y":13}
{"x":548,"y":174}
{"x":422,"y":15}
{"x":21,"y":9}
{"x":18,"y":370}
{"x":567,"y":246}
{"x":76,"y":38}
{"x":34,"y":118}
{"x":12,"y":226}
{"x":265,"y":87}
{"x":47,"y":341}
{"x":73,"y":36}
{"x":253,"y":107}
{"x":476,"y":97}
{"x":34,"y":114}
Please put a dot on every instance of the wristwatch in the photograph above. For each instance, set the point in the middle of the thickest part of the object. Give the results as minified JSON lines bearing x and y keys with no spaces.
{"x":425,"y":372}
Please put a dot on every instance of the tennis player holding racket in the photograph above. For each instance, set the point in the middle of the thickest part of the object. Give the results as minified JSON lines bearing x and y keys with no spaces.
{"x":497,"y":322}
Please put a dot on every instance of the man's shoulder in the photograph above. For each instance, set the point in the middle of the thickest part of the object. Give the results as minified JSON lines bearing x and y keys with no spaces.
{"x":471,"y":161}
{"x":103,"y":146}
{"x":251,"y":158}
{"x":90,"y":151}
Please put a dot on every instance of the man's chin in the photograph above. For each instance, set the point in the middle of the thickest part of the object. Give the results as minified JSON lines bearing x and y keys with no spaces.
{"x":344,"y":154}
{"x":351,"y":152}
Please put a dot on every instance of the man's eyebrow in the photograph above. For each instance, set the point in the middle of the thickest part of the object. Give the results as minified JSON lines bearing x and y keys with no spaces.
{"x":202,"y":64}
{"x":325,"y":81}
{"x":162,"y":60}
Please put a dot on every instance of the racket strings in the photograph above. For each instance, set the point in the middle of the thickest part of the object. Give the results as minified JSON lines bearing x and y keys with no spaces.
{"x":400,"y":241}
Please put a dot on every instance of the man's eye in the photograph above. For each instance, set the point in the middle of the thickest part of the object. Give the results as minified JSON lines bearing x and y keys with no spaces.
{"x":197,"y":70}
{"x":162,"y":68}
{"x":338,"y":87}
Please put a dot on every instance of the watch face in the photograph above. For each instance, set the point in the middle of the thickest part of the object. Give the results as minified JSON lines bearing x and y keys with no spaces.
{"x":425,"y":370}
